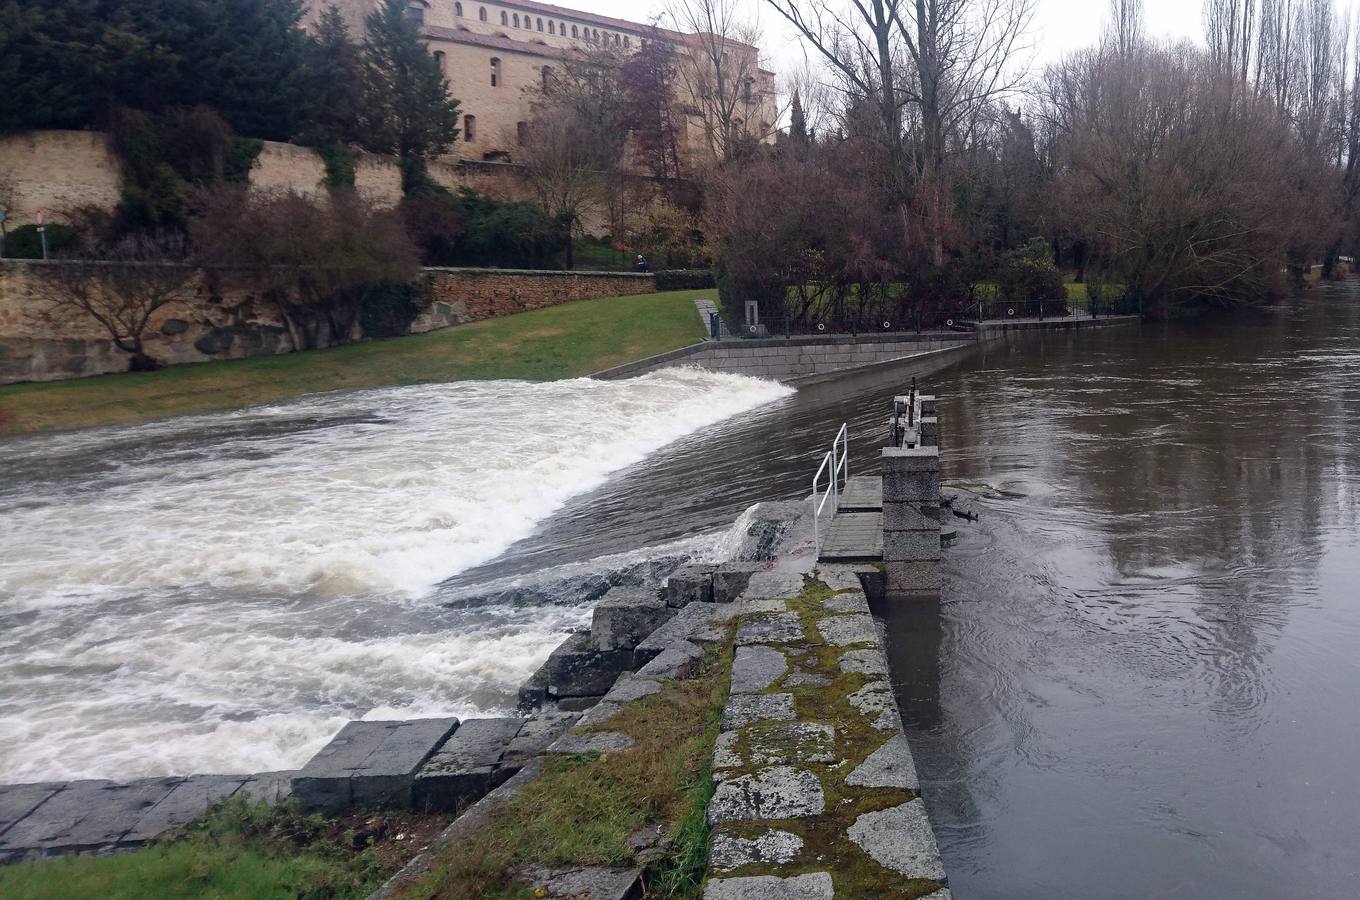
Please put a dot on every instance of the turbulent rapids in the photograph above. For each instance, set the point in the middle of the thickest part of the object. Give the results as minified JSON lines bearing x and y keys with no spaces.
{"x":220,"y":593}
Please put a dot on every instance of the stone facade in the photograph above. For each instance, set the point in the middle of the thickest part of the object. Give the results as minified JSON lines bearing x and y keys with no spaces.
{"x":55,"y":171}
{"x":211,"y":325}
{"x":495,"y":55}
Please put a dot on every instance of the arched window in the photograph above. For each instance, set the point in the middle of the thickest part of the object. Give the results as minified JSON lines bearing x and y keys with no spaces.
{"x":547,"y":77}
{"x":458,"y":10}
{"x":595,"y":35}
{"x":481,"y":13}
{"x":516,"y":20}
{"x":469,"y":129}
{"x":439,"y":58}
{"x":539,"y":22}
{"x":505,"y":17}
{"x":573,"y":31}
{"x":626,"y":42}
{"x":552,"y":27}
{"x":521,"y":132}
{"x":495,"y":71}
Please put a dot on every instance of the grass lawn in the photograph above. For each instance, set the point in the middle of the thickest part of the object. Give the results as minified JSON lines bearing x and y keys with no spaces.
{"x":564,"y":341}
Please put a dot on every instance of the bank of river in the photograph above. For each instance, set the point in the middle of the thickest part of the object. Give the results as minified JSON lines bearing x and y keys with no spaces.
{"x":1142,"y":681}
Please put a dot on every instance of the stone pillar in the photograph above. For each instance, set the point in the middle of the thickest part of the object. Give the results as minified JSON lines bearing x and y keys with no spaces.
{"x":911,"y":537}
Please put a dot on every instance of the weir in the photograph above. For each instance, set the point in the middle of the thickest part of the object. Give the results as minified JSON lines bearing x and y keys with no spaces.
{"x":816,"y":793}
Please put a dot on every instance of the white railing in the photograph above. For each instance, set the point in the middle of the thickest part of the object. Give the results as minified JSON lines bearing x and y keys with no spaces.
{"x":836,"y":467}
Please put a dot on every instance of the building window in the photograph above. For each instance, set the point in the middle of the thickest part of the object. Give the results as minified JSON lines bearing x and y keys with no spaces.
{"x":521,"y":132}
{"x":416,"y":13}
{"x":626,"y":43}
{"x":469,"y":129}
{"x":495,"y":71}
{"x":547,"y":77}
{"x":539,"y":22}
{"x":595,"y":35}
{"x":458,"y":10}
{"x":516,"y":20}
{"x":552,"y":27}
{"x":505,"y":17}
{"x":481,"y":13}
{"x":746,"y":91}
{"x":573,"y":31}
{"x":439,"y":58}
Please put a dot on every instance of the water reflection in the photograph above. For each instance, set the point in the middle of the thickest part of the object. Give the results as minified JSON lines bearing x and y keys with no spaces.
{"x":1147,"y":679}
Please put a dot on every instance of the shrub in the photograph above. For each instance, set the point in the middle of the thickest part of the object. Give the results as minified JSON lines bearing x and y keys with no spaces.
{"x":685,"y":280}
{"x":1031,"y":275}
{"x":465,"y":228}
{"x":388,"y":308}
{"x":25,"y":242}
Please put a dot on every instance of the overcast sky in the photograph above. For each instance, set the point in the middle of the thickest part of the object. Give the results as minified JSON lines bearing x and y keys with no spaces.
{"x":1059,"y":25}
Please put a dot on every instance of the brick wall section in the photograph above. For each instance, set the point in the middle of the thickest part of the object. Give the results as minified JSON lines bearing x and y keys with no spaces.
{"x":212,"y":327}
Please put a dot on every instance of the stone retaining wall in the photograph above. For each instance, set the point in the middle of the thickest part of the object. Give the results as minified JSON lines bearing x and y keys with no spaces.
{"x":799,"y":359}
{"x":212,"y":324}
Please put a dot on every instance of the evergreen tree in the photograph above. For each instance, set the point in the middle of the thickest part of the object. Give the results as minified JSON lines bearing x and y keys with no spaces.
{"x":407,"y":109}
{"x":798,"y":132}
{"x":335,"y":84}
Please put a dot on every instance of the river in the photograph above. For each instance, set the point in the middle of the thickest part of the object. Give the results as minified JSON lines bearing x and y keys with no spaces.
{"x":1143,"y":679}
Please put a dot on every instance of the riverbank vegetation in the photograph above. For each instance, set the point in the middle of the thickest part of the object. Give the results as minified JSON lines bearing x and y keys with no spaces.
{"x":596,"y":810}
{"x":1191,"y":177}
{"x":564,"y":341}
{"x":239,"y":851}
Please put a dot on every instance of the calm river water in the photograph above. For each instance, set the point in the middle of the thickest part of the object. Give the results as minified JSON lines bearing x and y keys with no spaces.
{"x":1143,"y":679}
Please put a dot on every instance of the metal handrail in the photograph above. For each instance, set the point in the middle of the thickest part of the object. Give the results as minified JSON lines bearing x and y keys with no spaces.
{"x":838,"y":462}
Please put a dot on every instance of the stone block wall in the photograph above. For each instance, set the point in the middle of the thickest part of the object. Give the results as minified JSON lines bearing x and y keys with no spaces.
{"x":230,"y":325}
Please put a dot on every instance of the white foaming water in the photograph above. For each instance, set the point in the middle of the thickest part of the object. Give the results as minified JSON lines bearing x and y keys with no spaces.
{"x":221,"y":593}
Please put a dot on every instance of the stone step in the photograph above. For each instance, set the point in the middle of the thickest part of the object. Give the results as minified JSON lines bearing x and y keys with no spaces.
{"x":370,"y":765}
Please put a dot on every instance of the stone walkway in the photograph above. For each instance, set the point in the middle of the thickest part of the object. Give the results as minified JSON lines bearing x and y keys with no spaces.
{"x":39,"y":820}
{"x":817,"y":793}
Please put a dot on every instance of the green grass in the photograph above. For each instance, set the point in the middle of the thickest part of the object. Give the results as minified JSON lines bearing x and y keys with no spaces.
{"x":582,"y":810}
{"x":240,"y":851}
{"x":564,"y":341}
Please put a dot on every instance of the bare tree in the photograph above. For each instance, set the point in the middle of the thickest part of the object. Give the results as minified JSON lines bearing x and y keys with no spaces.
{"x":562,"y":162}
{"x":948,"y":60}
{"x":121,"y":290}
{"x":311,"y":259}
{"x":719,"y":66}
{"x":1124,"y":31}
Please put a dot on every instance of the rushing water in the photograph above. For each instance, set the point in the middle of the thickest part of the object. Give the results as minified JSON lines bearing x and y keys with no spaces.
{"x":1143,"y":679}
{"x":220,"y":593}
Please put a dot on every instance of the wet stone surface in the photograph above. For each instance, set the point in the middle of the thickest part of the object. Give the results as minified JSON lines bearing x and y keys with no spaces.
{"x":781,"y":792}
{"x":773,"y":628}
{"x":756,"y":668}
{"x":814,"y":886}
{"x":744,"y":709}
{"x":900,"y":839}
{"x":728,"y":851}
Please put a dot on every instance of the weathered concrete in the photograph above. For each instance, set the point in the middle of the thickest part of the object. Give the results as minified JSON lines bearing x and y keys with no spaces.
{"x":729,"y":851}
{"x":744,"y":709}
{"x":900,"y":839}
{"x":370,"y":764}
{"x":593,"y":882}
{"x":625,"y":617}
{"x":48,"y":819}
{"x":779,"y":792}
{"x":757,"y":667}
{"x":466,"y":767}
{"x":814,"y":886}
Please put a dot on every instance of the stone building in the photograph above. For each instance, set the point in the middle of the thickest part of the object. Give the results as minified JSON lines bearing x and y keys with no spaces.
{"x":495,"y":53}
